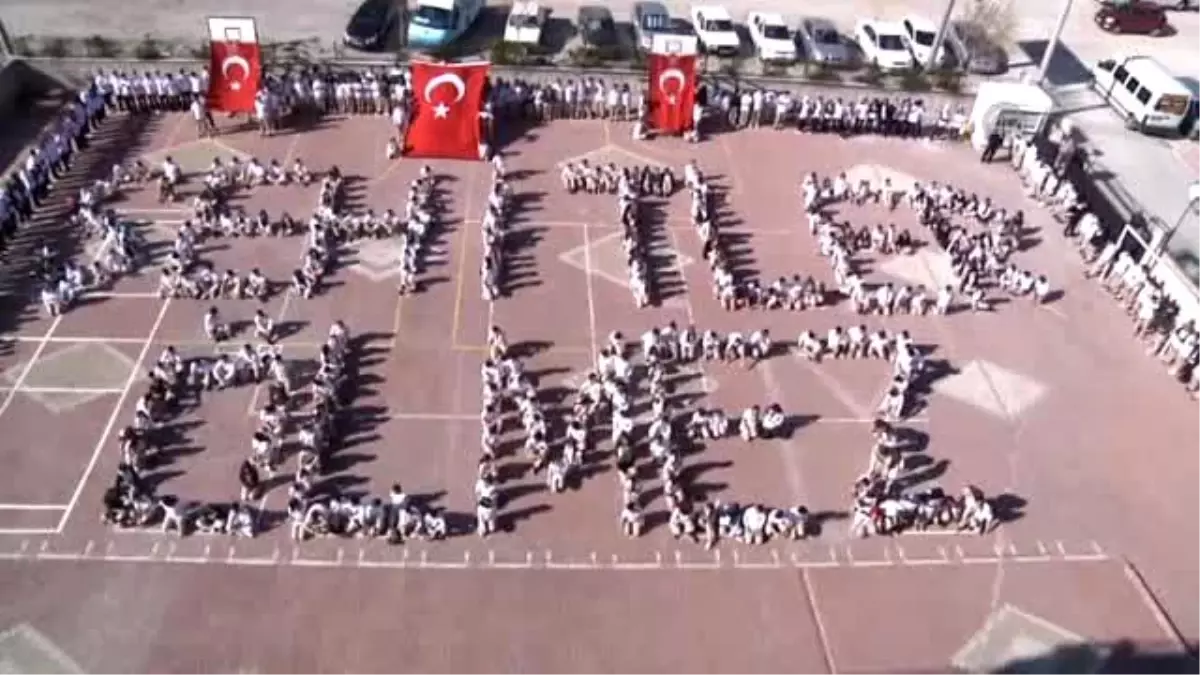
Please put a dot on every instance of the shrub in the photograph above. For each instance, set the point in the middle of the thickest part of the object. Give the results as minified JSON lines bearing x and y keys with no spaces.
{"x":871,"y":74}
{"x":56,"y":47}
{"x":148,"y":49}
{"x":912,"y":80}
{"x":948,"y":80}
{"x":22,"y":45}
{"x":820,"y":72}
{"x":775,"y":68}
{"x":586,"y":57}
{"x":101,"y":47}
{"x":200,"y":51}
{"x":509,"y":54}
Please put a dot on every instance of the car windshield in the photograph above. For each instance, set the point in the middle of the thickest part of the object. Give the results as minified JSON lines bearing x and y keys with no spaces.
{"x":719,"y":26}
{"x":680,"y":27}
{"x":654,"y":21}
{"x":891,"y":42}
{"x":924,"y":38}
{"x":523,"y":21}
{"x":595,"y":26}
{"x":775,"y":32}
{"x":433,"y":17}
{"x":824,"y":36}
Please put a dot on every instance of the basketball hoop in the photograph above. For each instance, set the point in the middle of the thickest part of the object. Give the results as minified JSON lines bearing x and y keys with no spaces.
{"x":233,"y":34}
{"x":673,"y":46}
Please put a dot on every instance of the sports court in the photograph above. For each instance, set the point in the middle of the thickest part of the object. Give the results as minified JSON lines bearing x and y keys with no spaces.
{"x":1017,"y":412}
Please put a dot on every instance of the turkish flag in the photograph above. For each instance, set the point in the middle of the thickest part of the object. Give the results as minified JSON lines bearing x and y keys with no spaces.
{"x":447,"y":98}
{"x":672,"y":92}
{"x":235,"y":74}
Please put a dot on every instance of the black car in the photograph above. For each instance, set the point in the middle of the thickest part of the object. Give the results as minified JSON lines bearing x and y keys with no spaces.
{"x":371,"y":24}
{"x":596,"y":26}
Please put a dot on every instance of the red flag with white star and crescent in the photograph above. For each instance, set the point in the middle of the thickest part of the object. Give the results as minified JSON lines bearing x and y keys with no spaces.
{"x":447,"y":98}
{"x":672,"y":86}
{"x":235,"y":74}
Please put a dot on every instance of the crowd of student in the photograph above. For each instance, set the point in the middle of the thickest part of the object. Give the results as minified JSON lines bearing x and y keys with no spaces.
{"x":979,"y":236}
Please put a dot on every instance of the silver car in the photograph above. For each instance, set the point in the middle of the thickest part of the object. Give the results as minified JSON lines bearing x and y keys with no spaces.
{"x":649,"y":18}
{"x":822,"y":42}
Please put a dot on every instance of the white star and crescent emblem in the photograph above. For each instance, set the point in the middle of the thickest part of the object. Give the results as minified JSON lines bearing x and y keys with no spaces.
{"x":666,"y":76}
{"x":238,"y":61}
{"x":441,"y":110}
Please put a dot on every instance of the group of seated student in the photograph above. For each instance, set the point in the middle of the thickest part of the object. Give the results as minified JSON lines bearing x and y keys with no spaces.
{"x":613,"y":387}
{"x":726,"y":288}
{"x":507,"y":386}
{"x":221,"y":179}
{"x":184,"y":275}
{"x":979,"y":246}
{"x":420,"y":209}
{"x":855,"y":342}
{"x":884,"y":503}
{"x":645,"y":180}
{"x":175,"y":383}
{"x":324,"y":419}
{"x":687,"y":345}
{"x":634,"y":240}
{"x":495,"y":226}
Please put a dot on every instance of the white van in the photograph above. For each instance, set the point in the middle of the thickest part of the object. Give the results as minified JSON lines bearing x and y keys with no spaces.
{"x":1148,"y":96}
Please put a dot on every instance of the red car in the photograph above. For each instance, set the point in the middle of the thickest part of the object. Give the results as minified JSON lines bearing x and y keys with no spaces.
{"x":1137,"y":17}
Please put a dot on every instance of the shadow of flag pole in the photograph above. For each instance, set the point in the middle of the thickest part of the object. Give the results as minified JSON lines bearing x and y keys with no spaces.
{"x":1052,"y":45}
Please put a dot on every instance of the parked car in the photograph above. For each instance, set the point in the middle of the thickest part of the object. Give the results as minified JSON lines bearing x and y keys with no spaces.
{"x":821,"y":41}
{"x":1136,"y":17}
{"x":434,"y":24}
{"x":714,"y":26}
{"x":596,"y":27}
{"x":771,"y":37}
{"x":371,"y":24}
{"x":525,"y":23}
{"x":972,"y":50}
{"x":649,"y":19}
{"x":883,"y":44}
{"x":921,"y":34}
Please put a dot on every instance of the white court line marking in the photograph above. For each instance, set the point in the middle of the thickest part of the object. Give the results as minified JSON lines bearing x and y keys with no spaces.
{"x":112,"y":418}
{"x":15,"y":506}
{"x":819,"y":621}
{"x":252,"y":406}
{"x":591,"y":296}
{"x":37,"y":353}
{"x":29,"y":530}
{"x":65,"y":390}
{"x":143,"y":295}
{"x":834,"y":386}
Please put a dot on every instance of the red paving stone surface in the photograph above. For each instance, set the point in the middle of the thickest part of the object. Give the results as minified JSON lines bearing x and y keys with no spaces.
{"x":1101,"y":461}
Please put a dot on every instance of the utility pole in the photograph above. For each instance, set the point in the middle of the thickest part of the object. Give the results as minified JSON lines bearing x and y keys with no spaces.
{"x":1052,"y":45}
{"x":940,"y":39}
{"x":6,"y":50}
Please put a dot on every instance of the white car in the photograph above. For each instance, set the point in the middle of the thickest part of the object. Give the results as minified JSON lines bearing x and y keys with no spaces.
{"x":921,"y":33}
{"x":715,"y":30}
{"x":771,"y":37}
{"x":524,"y":25}
{"x":884,"y":44}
